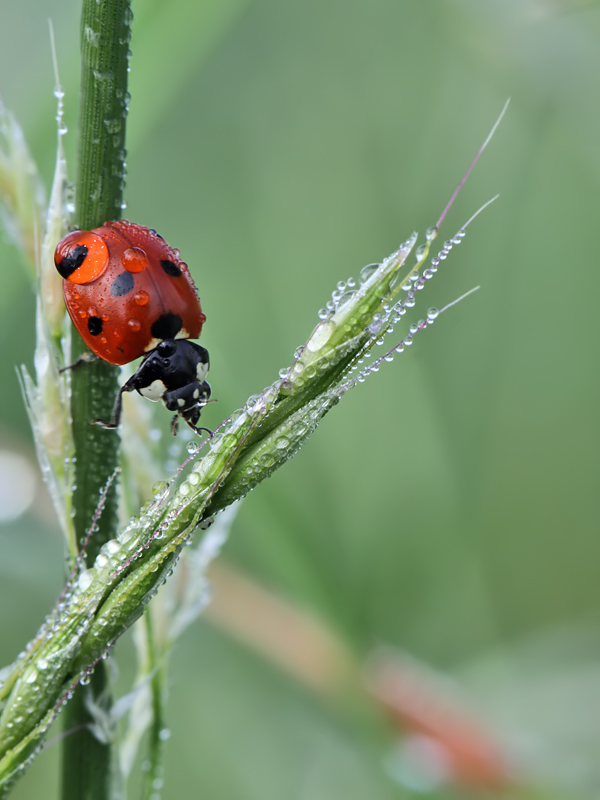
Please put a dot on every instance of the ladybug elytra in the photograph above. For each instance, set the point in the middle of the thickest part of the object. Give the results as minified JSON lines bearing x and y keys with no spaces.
{"x":129,"y":295}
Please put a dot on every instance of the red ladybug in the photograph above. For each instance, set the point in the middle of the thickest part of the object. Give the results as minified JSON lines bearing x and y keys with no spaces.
{"x":129,"y":295}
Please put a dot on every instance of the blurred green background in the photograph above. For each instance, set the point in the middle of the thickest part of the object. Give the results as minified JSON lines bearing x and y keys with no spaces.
{"x":448,"y":507}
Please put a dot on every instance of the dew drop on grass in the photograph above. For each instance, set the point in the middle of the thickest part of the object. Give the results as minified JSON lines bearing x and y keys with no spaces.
{"x":367,"y":271}
{"x":159,"y":488}
{"x":85,"y":579}
{"x":113,"y":547}
{"x":345,"y":298}
{"x":321,"y":335}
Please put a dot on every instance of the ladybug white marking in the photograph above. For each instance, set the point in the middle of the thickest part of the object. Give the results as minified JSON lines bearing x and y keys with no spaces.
{"x":154,"y":391}
{"x":201,"y":371}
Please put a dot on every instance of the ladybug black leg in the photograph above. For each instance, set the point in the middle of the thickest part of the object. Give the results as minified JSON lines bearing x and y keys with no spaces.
{"x":114,"y":423}
{"x":198,"y":430}
{"x":84,"y":358}
{"x":187,"y":402}
{"x":175,"y":425}
{"x":192,"y":415}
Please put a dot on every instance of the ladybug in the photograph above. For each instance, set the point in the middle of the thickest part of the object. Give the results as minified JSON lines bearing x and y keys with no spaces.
{"x":129,"y":295}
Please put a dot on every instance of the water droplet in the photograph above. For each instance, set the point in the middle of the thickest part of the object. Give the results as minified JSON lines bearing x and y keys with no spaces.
{"x":321,"y":335}
{"x":134,"y":325}
{"x":31,"y":676}
{"x":432,"y":313}
{"x":159,"y":488}
{"x":112,"y":547}
{"x":134,"y":259}
{"x":85,"y":579}
{"x":282,"y":443}
{"x":421,"y":251}
{"x":141,"y":298}
{"x":192,"y":447}
{"x":112,"y":125}
{"x":345,"y":298}
{"x":367,"y":271}
{"x":85,"y":679}
{"x":253,"y":405}
{"x":431,"y":233}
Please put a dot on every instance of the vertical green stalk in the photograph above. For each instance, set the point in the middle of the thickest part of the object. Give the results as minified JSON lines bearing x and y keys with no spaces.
{"x":156,"y":668}
{"x":105,"y":35}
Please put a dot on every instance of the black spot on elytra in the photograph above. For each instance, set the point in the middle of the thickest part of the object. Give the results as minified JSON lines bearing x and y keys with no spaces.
{"x":170,"y":268}
{"x":72,"y":261}
{"x":166,"y":326}
{"x":122,"y":284}
{"x":95,"y":326}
